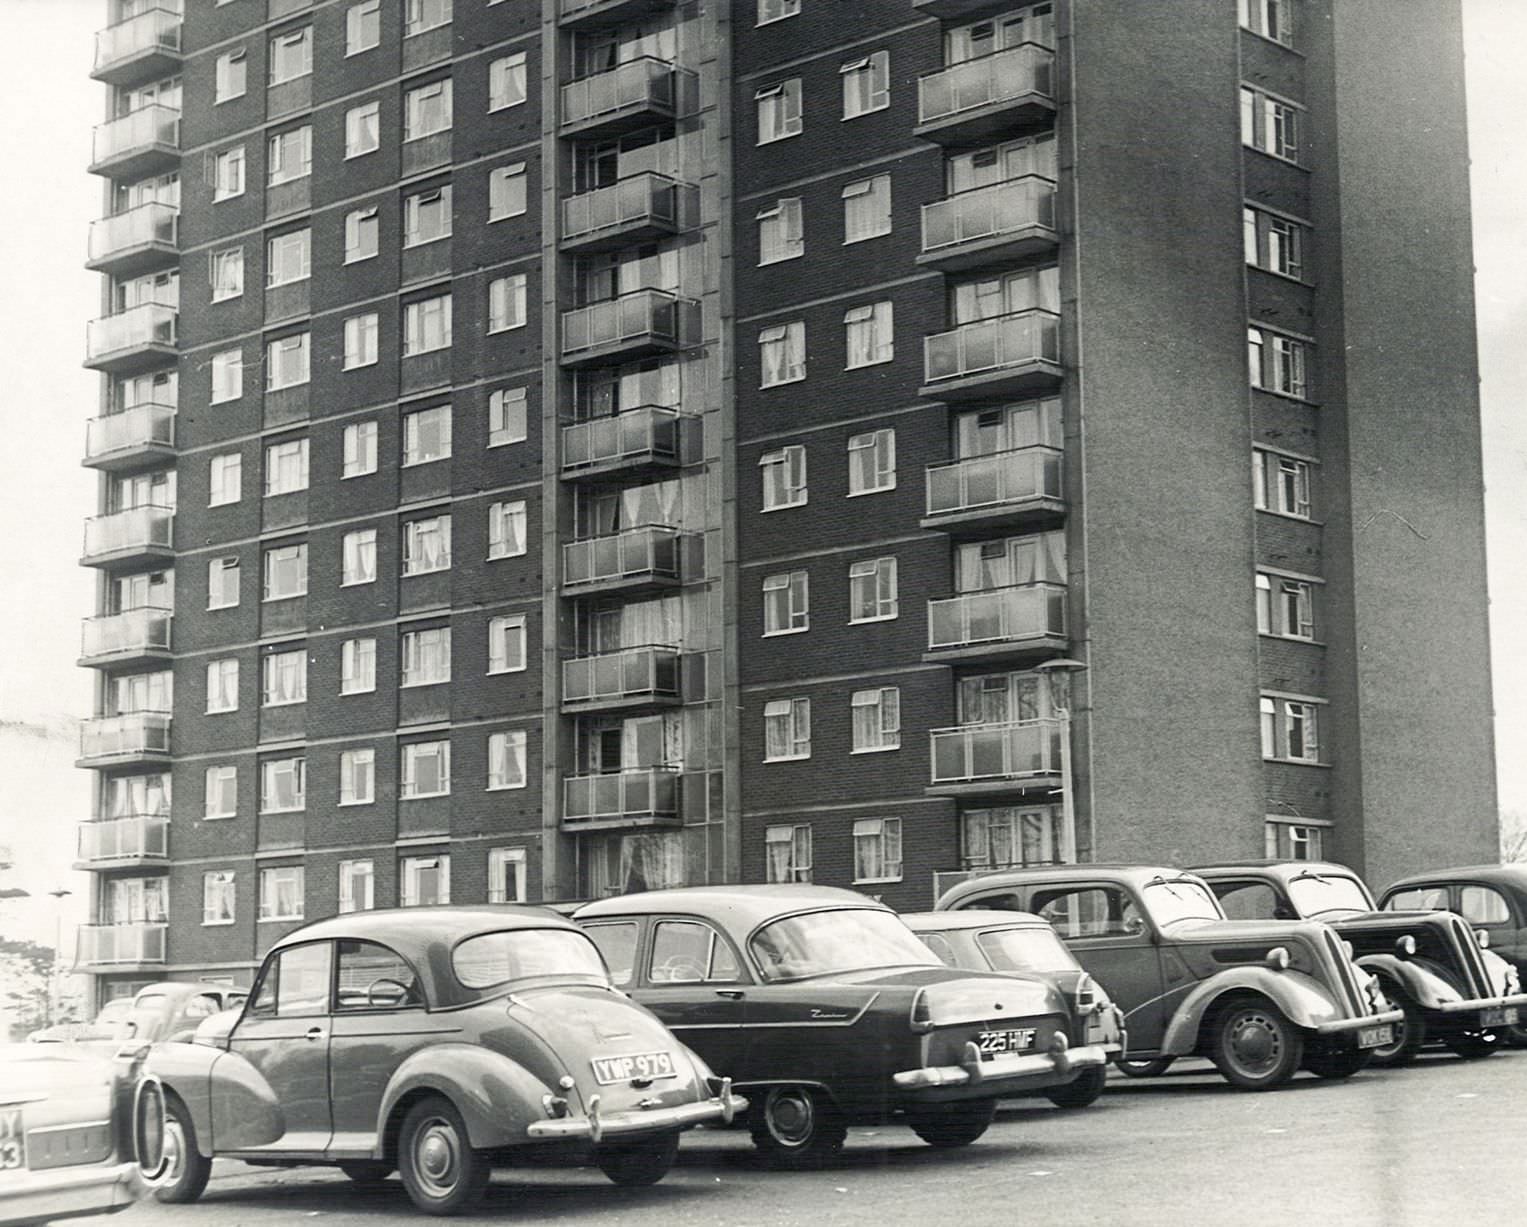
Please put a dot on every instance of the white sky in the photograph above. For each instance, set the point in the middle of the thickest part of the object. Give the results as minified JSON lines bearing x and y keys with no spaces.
{"x":45,"y":398}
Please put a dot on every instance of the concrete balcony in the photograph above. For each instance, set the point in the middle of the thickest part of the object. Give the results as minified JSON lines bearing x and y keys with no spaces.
{"x":642,"y":558}
{"x":988,"y":98}
{"x":998,"y":624}
{"x":124,"y":947}
{"x":124,"y":843}
{"x":646,"y":676}
{"x":1002,"y":222}
{"x":139,"y":144}
{"x":137,"y":241}
{"x":640,"y":797}
{"x":131,"y":637}
{"x":637,"y":94}
{"x":121,"y":741}
{"x":599,"y":14}
{"x":956,"y":10}
{"x":1019,"y":756}
{"x":133,"y":438}
{"x":635,"y":325}
{"x":1007,"y":355}
{"x":133,"y":340}
{"x":638,"y":440}
{"x":1000,"y":490}
{"x":635,"y":209}
{"x":144,"y":47}
{"x":128,"y":538}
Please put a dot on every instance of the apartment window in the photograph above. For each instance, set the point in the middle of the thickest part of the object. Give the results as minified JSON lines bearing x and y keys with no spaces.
{"x":283,"y":785}
{"x":363,"y":129}
{"x":784,"y":477}
{"x":1290,"y":729}
{"x":228,"y":174}
{"x":427,"y":435}
{"x":506,"y":416}
{"x":362,"y":234}
{"x":427,"y":110}
{"x":1273,"y":243}
{"x":1294,"y":841}
{"x":357,"y":666}
{"x":779,"y":111}
{"x":427,"y":545}
{"x":506,"y":529}
{"x":422,"y":15}
{"x":866,"y":209}
{"x":291,"y":55}
{"x":226,"y":273}
{"x":787,"y":851}
{"x":357,"y":886}
{"x":286,"y":572}
{"x":506,"y":191}
{"x":782,"y":353}
{"x":872,"y":462}
{"x":868,"y":334}
{"x":1269,"y":125}
{"x":284,"y":678}
{"x":291,"y":155}
{"x":876,"y":719}
{"x":359,"y":447}
{"x":288,"y":258}
{"x":506,"y":303}
{"x":222,"y":583}
{"x":1285,"y":607}
{"x":222,"y":685}
{"x":1271,"y":19}
{"x":427,"y":216}
{"x":357,"y":777}
{"x":787,"y":603}
{"x":506,"y":82}
{"x":220,"y":792}
{"x":506,"y":644}
{"x":877,"y":850}
{"x":217,"y":897}
{"x":787,"y":729}
{"x":506,"y":759}
{"x":426,"y":325}
{"x":229,"y":75}
{"x":1277,"y":363}
{"x":286,"y":467}
{"x":427,"y":656}
{"x":281,"y":893}
{"x":360,"y":341}
{"x":227,"y":375}
{"x":866,"y":84}
{"x":426,"y":769}
{"x":1281,"y":483}
{"x":780,"y":232}
{"x":506,"y":875}
{"x":358,"y":557}
{"x":777,"y":10}
{"x":363,"y":26}
{"x":286,"y":362}
{"x":225,"y":479}
{"x":872,"y":590}
{"x":425,"y":880}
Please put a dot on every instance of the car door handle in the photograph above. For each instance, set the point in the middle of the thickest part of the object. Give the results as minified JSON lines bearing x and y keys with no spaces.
{"x":316,"y":1033}
{"x":731,"y":994}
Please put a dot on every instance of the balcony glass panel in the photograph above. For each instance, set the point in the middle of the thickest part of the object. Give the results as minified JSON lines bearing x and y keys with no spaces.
{"x":993,"y":344}
{"x":997,"y":615}
{"x":973,"y":753}
{"x":647,"y":430}
{"x":631,"y":673}
{"x":139,"y":732}
{"x":157,"y":29}
{"x":994,"y":480}
{"x":645,"y":792}
{"x":652,"y":550}
{"x":631,"y":317}
{"x":140,"y":426}
{"x":140,"y":837}
{"x":972,"y":84}
{"x":136,"y":630}
{"x":988,"y":212}
{"x":149,"y":323}
{"x":155,"y":124}
{"x":647,"y":197}
{"x":154,"y":222}
{"x":643,"y":83}
{"x":135,"y":528}
{"x":104,"y":945}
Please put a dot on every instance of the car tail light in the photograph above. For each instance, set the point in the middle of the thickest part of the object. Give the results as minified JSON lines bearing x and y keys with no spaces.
{"x":922,"y":1012}
{"x":1483,"y":938}
{"x":1278,"y":958}
{"x":1350,"y":950}
{"x":1086,"y":992}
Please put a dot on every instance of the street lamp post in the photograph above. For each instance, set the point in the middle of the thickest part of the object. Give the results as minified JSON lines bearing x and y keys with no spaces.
{"x":1057,"y":674}
{"x":55,"y":981}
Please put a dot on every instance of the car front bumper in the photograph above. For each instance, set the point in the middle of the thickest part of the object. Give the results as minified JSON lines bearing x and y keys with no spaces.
{"x":69,"y":1192}
{"x":1338,"y":1026}
{"x":597,"y":1125}
{"x":1479,"y":1005}
{"x":1005,"y":1073}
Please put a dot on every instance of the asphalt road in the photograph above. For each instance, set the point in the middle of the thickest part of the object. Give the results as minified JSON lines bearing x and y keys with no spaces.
{"x":1440,"y":1142}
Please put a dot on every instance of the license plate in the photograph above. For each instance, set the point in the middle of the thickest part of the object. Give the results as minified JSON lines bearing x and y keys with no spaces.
{"x":1502,"y":1017}
{"x":646,"y":1065}
{"x":13,"y":1147}
{"x":994,"y":1043}
{"x":1372,"y":1037}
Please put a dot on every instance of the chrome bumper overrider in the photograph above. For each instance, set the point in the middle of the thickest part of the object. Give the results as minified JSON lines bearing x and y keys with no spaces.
{"x":597,"y":1125}
{"x":1357,"y":1024}
{"x":1057,"y":1062}
{"x":1482,"y":1003}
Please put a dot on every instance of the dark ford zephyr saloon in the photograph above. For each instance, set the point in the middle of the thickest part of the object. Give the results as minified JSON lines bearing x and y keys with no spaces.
{"x":1429,"y":963}
{"x":432,"y":1040}
{"x":1259,"y":998}
{"x":826,"y":1009}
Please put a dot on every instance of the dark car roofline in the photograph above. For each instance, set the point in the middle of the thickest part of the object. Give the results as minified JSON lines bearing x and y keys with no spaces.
{"x":747,"y":906}
{"x":1041,"y":874}
{"x":1513,"y":870}
{"x":411,"y":928}
{"x":975,"y":918}
{"x":1284,"y":868}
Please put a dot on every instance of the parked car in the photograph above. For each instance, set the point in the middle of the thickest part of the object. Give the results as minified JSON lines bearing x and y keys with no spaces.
{"x":822,"y":1005}
{"x":1492,"y":898}
{"x":81,"y":1132}
{"x":432,"y":1040}
{"x":1258,"y":998}
{"x":1429,"y":963}
{"x":173,"y":1009}
{"x":102,"y":1027}
{"x":1023,"y":943}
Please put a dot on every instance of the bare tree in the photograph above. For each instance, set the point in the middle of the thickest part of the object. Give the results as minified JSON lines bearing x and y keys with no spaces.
{"x":1513,"y":835}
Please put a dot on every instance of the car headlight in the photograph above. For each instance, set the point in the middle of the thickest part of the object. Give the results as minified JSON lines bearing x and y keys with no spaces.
{"x":1405,"y":945}
{"x":1278,"y":958}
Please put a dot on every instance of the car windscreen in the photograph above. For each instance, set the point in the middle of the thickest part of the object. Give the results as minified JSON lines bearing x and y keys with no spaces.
{"x":1025,"y":949}
{"x":1315,"y":894}
{"x":1171,"y":901}
{"x":845,"y":939}
{"x":491,"y":959}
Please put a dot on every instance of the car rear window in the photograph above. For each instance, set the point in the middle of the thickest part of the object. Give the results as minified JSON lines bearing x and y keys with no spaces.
{"x":1025,"y":950}
{"x":491,"y":959}
{"x":845,"y":939}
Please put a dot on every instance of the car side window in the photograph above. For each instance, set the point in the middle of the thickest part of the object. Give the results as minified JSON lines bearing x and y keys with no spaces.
{"x":295,"y":984}
{"x":1418,"y":899}
{"x":1008,"y":902}
{"x":201,"y":1006}
{"x":687,"y":952}
{"x":1482,"y":906}
{"x":940,"y":946}
{"x":1090,"y":911}
{"x":372,"y":977}
{"x":617,"y":943}
{"x":1251,"y":901}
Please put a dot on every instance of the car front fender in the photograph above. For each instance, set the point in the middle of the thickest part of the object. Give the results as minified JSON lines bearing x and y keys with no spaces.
{"x":497,"y":1097}
{"x":1424,"y":986}
{"x":1302,"y":999}
{"x":232,"y":1107}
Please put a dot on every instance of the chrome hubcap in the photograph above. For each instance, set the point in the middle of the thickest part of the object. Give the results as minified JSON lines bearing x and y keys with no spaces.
{"x":174,"y":1150}
{"x":791,"y":1116}
{"x":437,"y":1157}
{"x":1256,"y":1044}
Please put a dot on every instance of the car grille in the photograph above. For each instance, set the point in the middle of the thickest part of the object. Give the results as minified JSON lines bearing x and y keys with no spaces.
{"x":1471,"y":965}
{"x":1352,"y":996}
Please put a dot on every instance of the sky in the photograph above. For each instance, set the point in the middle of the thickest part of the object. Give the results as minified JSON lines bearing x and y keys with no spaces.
{"x":46,"y":397}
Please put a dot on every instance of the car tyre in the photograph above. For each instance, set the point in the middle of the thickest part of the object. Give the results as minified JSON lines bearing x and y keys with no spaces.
{"x":186,"y":1169}
{"x":1514,"y":1036}
{"x":797,"y":1128}
{"x":367,"y":1174}
{"x":440,"y":1170}
{"x":1255,"y":1047}
{"x":635,"y":1165}
{"x":1409,"y":1032}
{"x":948,"y":1125}
{"x":1081,"y":1091}
{"x":1337,"y":1063}
{"x":1473,"y":1045}
{"x":1145,"y":1069}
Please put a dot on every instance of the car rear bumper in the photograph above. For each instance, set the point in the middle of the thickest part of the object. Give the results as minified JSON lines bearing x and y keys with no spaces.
{"x":69,"y":1192}
{"x":1479,"y":1005}
{"x":1338,"y":1026}
{"x":1010,"y":1071}
{"x":598,"y":1125}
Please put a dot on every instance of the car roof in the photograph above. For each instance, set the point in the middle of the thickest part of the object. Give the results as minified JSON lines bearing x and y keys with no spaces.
{"x":745,"y":907}
{"x":1044,"y":875}
{"x":976,"y":918}
{"x":410,"y":930}
{"x":1275,"y":868}
{"x":1516,"y":874}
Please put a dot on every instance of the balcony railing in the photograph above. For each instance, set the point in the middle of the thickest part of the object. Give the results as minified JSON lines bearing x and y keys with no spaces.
{"x":640,"y":435}
{"x":1002,"y":343}
{"x":132,"y":430}
{"x":152,"y":34}
{"x":139,"y":732}
{"x":997,"y":616}
{"x":647,"y":200}
{"x":642,"y":319}
{"x":150,"y":129}
{"x":132,"y":632}
{"x":637,"y":87}
{"x":643,"y":792}
{"x":985,"y":215}
{"x":139,"y":330}
{"x":141,"y":837}
{"x":648,"y":672}
{"x":977,"y":753}
{"x":606,"y":12}
{"x":113,"y":945}
{"x":972,"y":85}
{"x":132,"y":232}
{"x":651,"y":552}
{"x":137,"y":528}
{"x":994,"y":481}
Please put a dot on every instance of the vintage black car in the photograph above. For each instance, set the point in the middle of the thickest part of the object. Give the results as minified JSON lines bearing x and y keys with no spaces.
{"x":1259,"y":998}
{"x":827,"y":1011}
{"x":1429,"y":964}
{"x":1024,"y":943}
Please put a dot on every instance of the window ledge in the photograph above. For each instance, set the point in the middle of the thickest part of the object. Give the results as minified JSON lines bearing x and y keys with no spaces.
{"x":1296,"y":762}
{"x":873,"y":490}
{"x":354,"y":804}
{"x":270,"y":920}
{"x":875,"y":749}
{"x":794,"y":630}
{"x":434,"y":681}
{"x":423,"y":796}
{"x":300,"y":809}
{"x":1289,"y":515}
{"x":875,"y":881}
{"x":284,"y":703}
{"x":1276,"y":157}
{"x":216,"y":924}
{"x":877,"y":618}
{"x":780,"y":383}
{"x":782,"y":507}
{"x":217,"y":817}
{"x":1314,"y":643}
{"x":788,"y":758}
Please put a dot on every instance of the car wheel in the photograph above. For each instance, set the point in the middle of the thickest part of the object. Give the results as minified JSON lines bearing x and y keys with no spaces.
{"x":440,"y":1170}
{"x":1336,"y":1063}
{"x":1514,"y":1036}
{"x":1081,"y":1090}
{"x":634,"y":1165}
{"x":1145,"y":1069}
{"x":1473,"y":1045}
{"x":947,"y":1125}
{"x":1409,"y":1032}
{"x":797,"y":1127}
{"x":1255,"y":1047}
{"x":367,"y":1174}
{"x":186,"y":1169}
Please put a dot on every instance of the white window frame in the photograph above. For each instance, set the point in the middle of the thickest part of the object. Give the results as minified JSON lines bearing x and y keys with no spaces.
{"x":225,"y":273}
{"x":361,"y":224}
{"x":225,"y":479}
{"x":887,"y":832}
{"x":788,"y":365}
{"x":784,"y":478}
{"x":414,"y":533}
{"x":869,"y":335}
{"x":506,"y":643}
{"x":428,"y":216}
{"x":277,"y":170}
{"x":504,"y":863}
{"x":506,"y":71}
{"x":866,"y":209}
{"x":1269,"y":19}
{"x":274,"y":684}
{"x":1285,"y":606}
{"x":286,"y":467}
{"x":222,"y":566}
{"x":357,"y":557}
{"x":408,"y":879}
{"x":416,"y":110}
{"x":770,"y":11}
{"x":505,"y":748}
{"x":881,"y":448}
{"x":363,"y":137}
{"x":220,"y":786}
{"x":779,"y":111}
{"x":507,"y":303}
{"x":796,"y":606}
{"x":421,"y":16}
{"x":508,"y":191}
{"x":227,"y":175}
{"x":357,"y":776}
{"x":872,"y":584}
{"x":508,"y":417}
{"x":882,"y":729}
{"x":301,"y":37}
{"x":358,"y":442}
{"x":781,"y":231}
{"x":219,"y":897}
{"x":353,"y":654}
{"x":351,"y":875}
{"x":270,"y":770}
{"x":1282,"y":484}
{"x":424,"y":657}
{"x":277,"y":375}
{"x":272,"y":880}
{"x":427,"y":435}
{"x":227,"y":368}
{"x":1295,"y":841}
{"x":223,"y":76}
{"x":797,"y":859}
{"x":508,"y":528}
{"x":1271,"y":125}
{"x":787,"y":725}
{"x":418,"y":315}
{"x":299,"y":243}
{"x":222,"y":686}
{"x":361,"y":340}
{"x":358,"y":29}
{"x":269,"y":559}
{"x":411,"y":754}
{"x":1281,"y":716}
{"x":873,"y":70}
